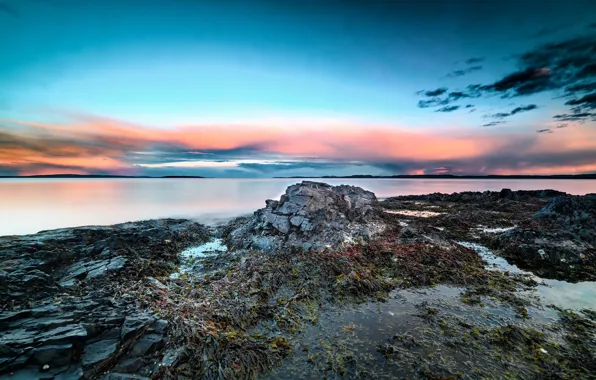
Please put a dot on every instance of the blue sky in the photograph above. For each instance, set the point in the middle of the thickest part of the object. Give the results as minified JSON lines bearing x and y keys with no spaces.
{"x":171,"y":64}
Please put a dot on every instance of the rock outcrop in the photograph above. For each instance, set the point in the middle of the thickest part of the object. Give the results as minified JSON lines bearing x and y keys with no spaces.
{"x":65,"y":309}
{"x":558,"y":241}
{"x":310,"y":216}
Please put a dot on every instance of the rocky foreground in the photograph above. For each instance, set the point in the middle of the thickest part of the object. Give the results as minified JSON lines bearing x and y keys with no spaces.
{"x":113,"y":302}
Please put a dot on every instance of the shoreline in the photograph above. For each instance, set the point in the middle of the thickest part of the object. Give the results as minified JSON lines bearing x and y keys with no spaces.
{"x":101,"y":302}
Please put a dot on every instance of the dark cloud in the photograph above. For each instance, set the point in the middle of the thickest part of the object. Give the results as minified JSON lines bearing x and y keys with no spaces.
{"x":456,"y":73}
{"x":561,"y":126}
{"x":582,"y":87}
{"x":457,"y":95}
{"x":472,"y":61}
{"x":437,"y":101}
{"x":547,"y":130}
{"x":585,"y":102}
{"x":437,"y":92}
{"x":469,"y":105}
{"x":493,"y":123}
{"x":523,"y":82}
{"x":432,"y":103}
{"x":579,"y":116}
{"x":448,"y":109}
{"x":502,"y":115}
{"x":568,"y":66}
{"x":523,"y":109}
{"x":459,"y":73}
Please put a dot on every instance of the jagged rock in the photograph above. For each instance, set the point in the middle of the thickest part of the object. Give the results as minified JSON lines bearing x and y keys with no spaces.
{"x":123,"y":376}
{"x":92,"y":269}
{"x":147,"y":344}
{"x":132,"y":324}
{"x":559,"y":241}
{"x":129,"y":366}
{"x":160,"y":326}
{"x":98,"y":352}
{"x":311,"y":216}
{"x":56,"y":355}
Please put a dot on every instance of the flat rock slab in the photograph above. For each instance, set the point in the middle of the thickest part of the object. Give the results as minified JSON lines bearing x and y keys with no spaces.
{"x":98,"y":352}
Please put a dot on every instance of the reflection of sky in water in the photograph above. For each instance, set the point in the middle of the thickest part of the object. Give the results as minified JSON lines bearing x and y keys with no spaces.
{"x":30,"y":205}
{"x":560,"y":293}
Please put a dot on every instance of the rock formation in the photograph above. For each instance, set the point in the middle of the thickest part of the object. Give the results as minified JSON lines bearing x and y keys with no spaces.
{"x":65,"y":312}
{"x":310,"y":216}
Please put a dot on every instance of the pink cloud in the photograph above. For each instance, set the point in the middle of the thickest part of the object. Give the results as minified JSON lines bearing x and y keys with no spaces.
{"x":94,"y":143}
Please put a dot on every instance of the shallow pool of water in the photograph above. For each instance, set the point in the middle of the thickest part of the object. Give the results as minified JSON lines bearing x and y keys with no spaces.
{"x":564,"y":294}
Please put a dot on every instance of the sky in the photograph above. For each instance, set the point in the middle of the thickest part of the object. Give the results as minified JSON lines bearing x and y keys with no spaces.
{"x":297,"y":88}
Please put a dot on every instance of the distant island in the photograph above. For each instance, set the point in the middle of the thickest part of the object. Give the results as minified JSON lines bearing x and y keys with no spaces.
{"x":94,"y":176}
{"x":451,"y":176}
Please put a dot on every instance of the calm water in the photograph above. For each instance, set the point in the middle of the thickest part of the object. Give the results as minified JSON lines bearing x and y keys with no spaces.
{"x":31,"y":205}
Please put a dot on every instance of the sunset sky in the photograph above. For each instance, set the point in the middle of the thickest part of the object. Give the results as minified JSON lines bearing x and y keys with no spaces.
{"x":285,"y":88}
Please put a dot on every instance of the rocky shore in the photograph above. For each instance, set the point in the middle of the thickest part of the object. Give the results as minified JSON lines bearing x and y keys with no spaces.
{"x":176,"y":299}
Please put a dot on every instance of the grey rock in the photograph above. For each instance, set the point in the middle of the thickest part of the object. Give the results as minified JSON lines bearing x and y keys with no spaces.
{"x":172,"y":356}
{"x":122,"y":376}
{"x":62,"y":334}
{"x":282,"y":224}
{"x":44,"y":310}
{"x":147,"y":345}
{"x":43,"y":323}
{"x":69,"y":285}
{"x":98,"y":352}
{"x":74,"y":372}
{"x":132,"y":324}
{"x":55,"y":355}
{"x":297,"y":220}
{"x":160,"y":326}
{"x":5,"y":317}
{"x":29,"y":373}
{"x":129,"y":366}
{"x":311,"y":216}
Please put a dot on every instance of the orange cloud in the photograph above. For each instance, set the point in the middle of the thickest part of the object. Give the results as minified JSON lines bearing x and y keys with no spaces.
{"x":93,"y":144}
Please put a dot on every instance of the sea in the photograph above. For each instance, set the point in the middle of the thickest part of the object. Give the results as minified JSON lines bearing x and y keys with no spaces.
{"x":29,"y":205}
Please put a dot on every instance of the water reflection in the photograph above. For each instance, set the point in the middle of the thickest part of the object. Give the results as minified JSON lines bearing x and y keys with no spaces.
{"x":31,"y":205}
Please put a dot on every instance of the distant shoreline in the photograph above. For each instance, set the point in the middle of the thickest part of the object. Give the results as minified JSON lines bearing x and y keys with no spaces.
{"x":447,"y":176}
{"x":96,"y":176}
{"x":405,"y":176}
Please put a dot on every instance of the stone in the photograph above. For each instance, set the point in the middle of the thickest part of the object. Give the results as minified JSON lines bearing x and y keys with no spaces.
{"x":98,"y":352}
{"x":68,"y":333}
{"x":297,"y":220}
{"x":282,"y":224}
{"x":172,"y":356}
{"x":74,"y":372}
{"x":160,"y":326}
{"x":147,"y":345}
{"x":132,"y":324}
{"x":129,"y":366}
{"x":44,"y":310}
{"x":311,"y":216}
{"x":123,"y":376}
{"x":56,"y":355}
{"x":8,"y":316}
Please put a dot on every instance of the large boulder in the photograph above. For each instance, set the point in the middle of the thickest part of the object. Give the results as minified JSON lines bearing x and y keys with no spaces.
{"x":311,"y":216}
